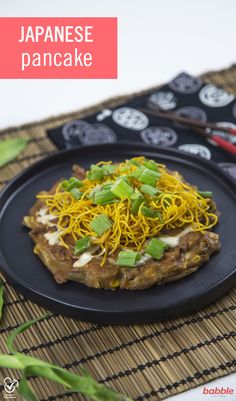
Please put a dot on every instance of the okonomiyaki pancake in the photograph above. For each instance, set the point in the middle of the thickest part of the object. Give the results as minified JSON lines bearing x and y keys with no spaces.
{"x":130,"y":225}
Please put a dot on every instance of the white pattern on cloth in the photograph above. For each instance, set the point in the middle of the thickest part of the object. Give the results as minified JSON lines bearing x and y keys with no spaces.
{"x":196,"y":149}
{"x":212,"y":96}
{"x":130,"y":118}
{"x":163,"y":136}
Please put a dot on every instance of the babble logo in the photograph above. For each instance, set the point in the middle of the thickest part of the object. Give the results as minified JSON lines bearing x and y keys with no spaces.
{"x":218,"y":391}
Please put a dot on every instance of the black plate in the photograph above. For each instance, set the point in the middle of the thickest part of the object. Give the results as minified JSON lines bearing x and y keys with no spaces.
{"x":28,"y":275}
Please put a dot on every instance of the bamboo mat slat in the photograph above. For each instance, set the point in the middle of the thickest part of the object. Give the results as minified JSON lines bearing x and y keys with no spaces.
{"x":146,"y":362}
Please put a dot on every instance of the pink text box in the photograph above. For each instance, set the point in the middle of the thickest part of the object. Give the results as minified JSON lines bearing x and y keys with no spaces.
{"x":93,"y":54}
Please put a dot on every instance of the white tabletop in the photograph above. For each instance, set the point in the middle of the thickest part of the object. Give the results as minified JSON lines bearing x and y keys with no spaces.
{"x":157,"y":39}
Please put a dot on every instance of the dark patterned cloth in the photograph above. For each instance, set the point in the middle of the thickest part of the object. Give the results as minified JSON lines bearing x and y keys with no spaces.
{"x":185,"y":95}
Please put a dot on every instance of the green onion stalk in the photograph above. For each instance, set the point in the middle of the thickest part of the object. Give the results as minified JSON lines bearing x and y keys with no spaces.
{"x":30,"y":367}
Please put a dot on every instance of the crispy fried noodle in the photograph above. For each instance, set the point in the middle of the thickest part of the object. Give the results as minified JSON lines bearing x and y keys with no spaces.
{"x":175,"y":204}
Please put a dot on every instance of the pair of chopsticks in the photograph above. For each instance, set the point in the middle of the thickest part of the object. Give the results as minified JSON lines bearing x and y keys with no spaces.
{"x":199,"y":127}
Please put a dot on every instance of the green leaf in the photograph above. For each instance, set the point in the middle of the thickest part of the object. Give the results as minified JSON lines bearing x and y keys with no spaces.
{"x":25,"y":391}
{"x":10,"y":149}
{"x":10,"y":362}
{"x":54,"y":373}
{"x":1,"y":298}
{"x":83,"y":383}
{"x":20,"y":330}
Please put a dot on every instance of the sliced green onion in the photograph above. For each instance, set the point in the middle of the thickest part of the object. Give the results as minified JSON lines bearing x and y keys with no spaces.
{"x":149,"y":177}
{"x":108,"y":169}
{"x":73,"y":182}
{"x":146,"y":211}
{"x":134,"y":162}
{"x":136,"y":194}
{"x":76,"y":193}
{"x":206,"y":194}
{"x":137,"y":173}
{"x":156,"y":248}
{"x":81,"y":245}
{"x":95,"y":173}
{"x":107,"y":184}
{"x":98,"y":172}
{"x":149,"y":190}
{"x":136,"y":204}
{"x":100,"y":224}
{"x":151,"y":164}
{"x":116,"y":200}
{"x":124,"y":169}
{"x":122,"y":188}
{"x":128,"y":258}
{"x":93,"y":191}
{"x":64,"y":184}
{"x":136,"y":200}
{"x":104,"y":196}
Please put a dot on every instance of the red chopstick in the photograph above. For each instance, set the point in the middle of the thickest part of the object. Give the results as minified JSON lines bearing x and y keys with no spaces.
{"x":230,"y":147}
{"x":200,"y":128}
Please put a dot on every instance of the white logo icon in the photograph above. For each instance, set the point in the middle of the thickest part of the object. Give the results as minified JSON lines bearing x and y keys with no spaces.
{"x":163,"y":136}
{"x":130,"y":118}
{"x":9,"y":387}
{"x":184,"y":83}
{"x":196,"y":149}
{"x":191,"y":112}
{"x":88,"y":134}
{"x":213,"y":96}
{"x":162,"y":100}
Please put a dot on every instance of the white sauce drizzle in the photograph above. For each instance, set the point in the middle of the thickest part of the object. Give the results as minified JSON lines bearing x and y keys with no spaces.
{"x":53,"y":238}
{"x":86,"y":257}
{"x":44,"y":217}
{"x":144,"y":259}
{"x":83,"y":259}
{"x":173,"y":241}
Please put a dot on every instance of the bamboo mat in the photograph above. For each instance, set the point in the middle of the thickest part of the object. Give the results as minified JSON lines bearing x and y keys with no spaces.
{"x":146,"y":362}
